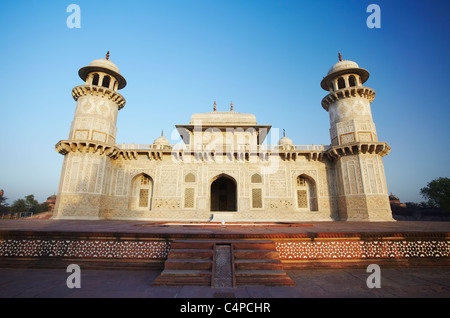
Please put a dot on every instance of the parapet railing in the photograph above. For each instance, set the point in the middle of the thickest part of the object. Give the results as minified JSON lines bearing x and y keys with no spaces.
{"x":259,"y":148}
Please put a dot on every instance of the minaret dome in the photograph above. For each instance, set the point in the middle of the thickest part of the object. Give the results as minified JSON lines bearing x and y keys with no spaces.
{"x":344,"y":74}
{"x":103,"y":72}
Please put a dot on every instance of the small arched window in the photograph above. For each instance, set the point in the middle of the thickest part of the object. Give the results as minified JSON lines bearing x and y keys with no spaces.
{"x":189,"y":178}
{"x":256,"y":178}
{"x":341,"y":83}
{"x":351,"y":81}
{"x":306,"y":193}
{"x":145,"y":192}
{"x":106,"y":81}
{"x":95,"y":79}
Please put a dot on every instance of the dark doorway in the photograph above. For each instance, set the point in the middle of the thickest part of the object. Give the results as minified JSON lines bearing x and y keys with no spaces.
{"x":223,"y":195}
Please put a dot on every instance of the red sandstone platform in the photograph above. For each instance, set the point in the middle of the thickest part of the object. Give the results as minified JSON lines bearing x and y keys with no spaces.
{"x":230,"y":229}
{"x":142,"y":245}
{"x":130,"y":244}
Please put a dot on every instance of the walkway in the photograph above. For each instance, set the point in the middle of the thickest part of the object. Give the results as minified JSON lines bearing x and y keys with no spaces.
{"x":336,"y":283}
{"x":149,"y":227}
{"x":395,"y":283}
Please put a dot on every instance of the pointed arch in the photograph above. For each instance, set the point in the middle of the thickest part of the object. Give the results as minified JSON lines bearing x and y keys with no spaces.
{"x":341,"y":83}
{"x":106,"y":81}
{"x":95,"y":79}
{"x":351,"y":80}
{"x":223,"y":193}
{"x":306,"y":192}
{"x":256,"y":178}
{"x":190,"y":177}
{"x":141,"y":194}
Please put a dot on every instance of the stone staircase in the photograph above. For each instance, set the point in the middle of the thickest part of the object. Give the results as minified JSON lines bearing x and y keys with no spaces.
{"x":258,"y":263}
{"x":188,"y":263}
{"x":223,"y":264}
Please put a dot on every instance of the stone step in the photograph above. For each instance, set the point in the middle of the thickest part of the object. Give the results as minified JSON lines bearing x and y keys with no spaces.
{"x":192,"y":245}
{"x":183,"y":278}
{"x":256,"y":254}
{"x":190,"y":254}
{"x":263,"y":277}
{"x":194,"y":264}
{"x":258,"y":272}
{"x":186,"y":272}
{"x":255,"y":245}
{"x":254,"y":264}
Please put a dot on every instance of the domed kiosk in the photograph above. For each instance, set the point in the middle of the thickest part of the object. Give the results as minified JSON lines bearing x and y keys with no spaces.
{"x":100,"y":71}
{"x":285,"y":142}
{"x":344,"y":74}
{"x":161,"y":142}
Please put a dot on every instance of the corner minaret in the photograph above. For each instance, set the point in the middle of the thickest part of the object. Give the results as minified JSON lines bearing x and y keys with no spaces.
{"x":91,"y":145}
{"x":348,"y":103}
{"x":360,"y":178}
{"x":98,"y":102}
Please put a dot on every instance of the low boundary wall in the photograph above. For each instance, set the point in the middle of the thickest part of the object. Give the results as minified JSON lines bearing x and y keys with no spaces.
{"x":143,"y":251}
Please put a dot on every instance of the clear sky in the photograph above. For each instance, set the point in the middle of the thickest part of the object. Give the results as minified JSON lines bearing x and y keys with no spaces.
{"x":267,"y":56}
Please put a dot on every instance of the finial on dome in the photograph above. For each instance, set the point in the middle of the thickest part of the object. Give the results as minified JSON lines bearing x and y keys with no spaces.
{"x":107,"y":55}
{"x":215,"y":106}
{"x":231,"y":107}
{"x":162,"y":132}
{"x":340,"y":57}
{"x":284,"y":133}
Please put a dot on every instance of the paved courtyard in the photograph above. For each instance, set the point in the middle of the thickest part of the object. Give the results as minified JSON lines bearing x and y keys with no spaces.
{"x":319,"y":283}
{"x":336,"y":283}
{"x":150,"y":228}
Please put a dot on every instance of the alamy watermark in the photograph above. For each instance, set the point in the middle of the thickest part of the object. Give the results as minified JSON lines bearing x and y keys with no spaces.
{"x":374,"y":19}
{"x":219,"y":145}
{"x":74,"y":19}
{"x":374,"y":279}
{"x":74,"y":279}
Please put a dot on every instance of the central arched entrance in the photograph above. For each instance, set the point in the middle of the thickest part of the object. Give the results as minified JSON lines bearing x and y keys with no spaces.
{"x":224,"y":194}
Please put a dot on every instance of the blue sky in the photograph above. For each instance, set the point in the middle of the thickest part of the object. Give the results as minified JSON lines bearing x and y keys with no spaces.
{"x":268,"y":57}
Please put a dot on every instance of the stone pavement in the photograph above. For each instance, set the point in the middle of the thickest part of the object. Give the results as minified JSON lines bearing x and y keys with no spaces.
{"x":333,"y":283}
{"x":149,"y":227}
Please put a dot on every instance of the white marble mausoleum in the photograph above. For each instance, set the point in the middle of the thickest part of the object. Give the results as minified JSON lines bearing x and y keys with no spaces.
{"x":222,"y":169}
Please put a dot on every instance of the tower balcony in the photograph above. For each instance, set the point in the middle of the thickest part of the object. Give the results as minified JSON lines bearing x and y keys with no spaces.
{"x":93,"y":90}
{"x":378,"y":148}
{"x":348,"y":92}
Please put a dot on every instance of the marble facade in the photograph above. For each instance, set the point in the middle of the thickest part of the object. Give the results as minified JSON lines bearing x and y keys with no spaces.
{"x":222,"y":171}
